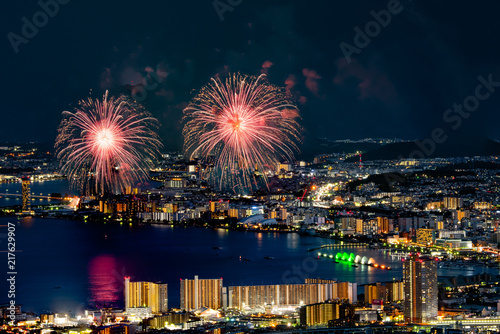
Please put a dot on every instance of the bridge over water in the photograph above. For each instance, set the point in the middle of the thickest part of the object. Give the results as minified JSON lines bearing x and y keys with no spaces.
{"x":32,"y":196}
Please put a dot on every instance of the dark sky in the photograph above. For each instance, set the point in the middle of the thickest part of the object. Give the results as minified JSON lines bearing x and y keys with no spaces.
{"x":426,"y":59}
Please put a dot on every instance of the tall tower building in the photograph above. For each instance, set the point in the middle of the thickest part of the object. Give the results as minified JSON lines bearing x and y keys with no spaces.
{"x":196,"y":293}
{"x":420,"y":289}
{"x":146,"y":294}
{"x":26,"y":194}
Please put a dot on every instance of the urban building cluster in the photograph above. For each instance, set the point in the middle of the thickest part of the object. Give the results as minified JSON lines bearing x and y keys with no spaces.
{"x":208,"y":302}
{"x":432,"y":214}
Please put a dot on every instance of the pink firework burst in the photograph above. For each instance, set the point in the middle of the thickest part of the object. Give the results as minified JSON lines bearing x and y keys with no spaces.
{"x":246,"y":124}
{"x":108,"y":144}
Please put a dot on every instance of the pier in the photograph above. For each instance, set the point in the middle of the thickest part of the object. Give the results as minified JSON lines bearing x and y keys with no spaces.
{"x":334,"y":246}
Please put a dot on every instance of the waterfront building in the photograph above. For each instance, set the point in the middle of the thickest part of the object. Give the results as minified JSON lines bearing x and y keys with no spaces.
{"x":196,"y":293}
{"x":420,"y":289}
{"x":340,"y":290}
{"x":26,"y":204}
{"x":312,"y":292}
{"x":146,"y":294}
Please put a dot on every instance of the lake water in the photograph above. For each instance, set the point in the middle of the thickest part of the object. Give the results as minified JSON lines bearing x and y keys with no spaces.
{"x":65,"y":265}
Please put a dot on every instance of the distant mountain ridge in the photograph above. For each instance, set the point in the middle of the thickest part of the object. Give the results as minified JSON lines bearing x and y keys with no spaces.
{"x":427,"y":149}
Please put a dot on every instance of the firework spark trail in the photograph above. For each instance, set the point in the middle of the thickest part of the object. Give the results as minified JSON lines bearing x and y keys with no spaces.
{"x":242,"y":120}
{"x":112,"y":141}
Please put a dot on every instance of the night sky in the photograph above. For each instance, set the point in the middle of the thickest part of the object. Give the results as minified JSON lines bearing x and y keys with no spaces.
{"x":427,"y":58}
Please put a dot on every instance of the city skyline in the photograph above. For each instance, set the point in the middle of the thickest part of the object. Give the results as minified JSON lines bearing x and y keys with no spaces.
{"x":250,"y":166}
{"x":329,"y":243}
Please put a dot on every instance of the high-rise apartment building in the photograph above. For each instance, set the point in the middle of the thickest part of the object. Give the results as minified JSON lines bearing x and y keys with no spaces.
{"x":196,"y":293}
{"x":146,"y":294}
{"x":420,"y":289}
{"x":26,"y":194}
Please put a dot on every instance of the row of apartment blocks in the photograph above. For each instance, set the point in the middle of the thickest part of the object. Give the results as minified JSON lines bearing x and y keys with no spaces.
{"x":210,"y":293}
{"x":157,"y":208}
{"x":317,"y":218}
{"x":385,"y":225}
{"x":454,"y":203}
{"x":290,"y":215}
{"x":398,"y":201}
{"x":197,"y":293}
{"x":312,"y":291}
{"x":418,"y":290}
